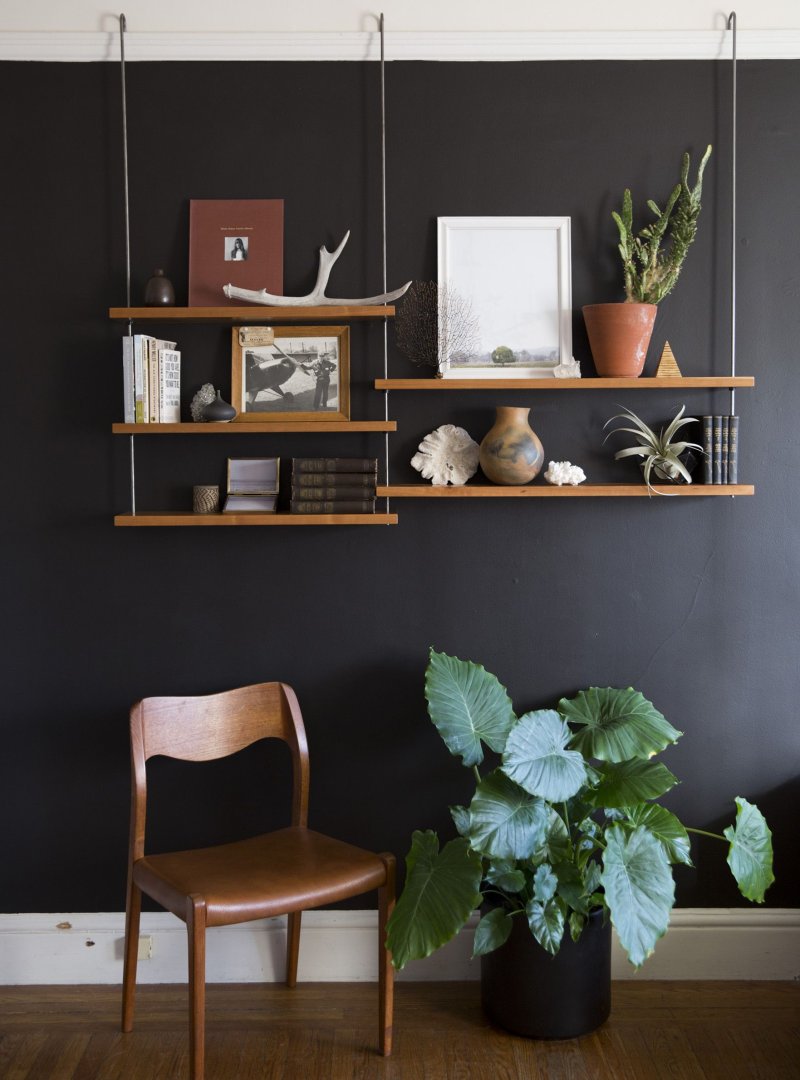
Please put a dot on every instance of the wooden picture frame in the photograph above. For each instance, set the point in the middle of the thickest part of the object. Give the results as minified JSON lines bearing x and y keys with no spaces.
{"x":304,"y":374}
{"x":514,"y":273}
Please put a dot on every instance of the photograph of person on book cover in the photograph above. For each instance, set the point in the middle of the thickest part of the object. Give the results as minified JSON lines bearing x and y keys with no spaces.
{"x":303,"y":374}
{"x":235,"y":248}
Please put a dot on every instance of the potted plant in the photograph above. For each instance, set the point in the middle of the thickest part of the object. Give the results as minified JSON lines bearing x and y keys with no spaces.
{"x":563,"y":832}
{"x":619,"y":333}
{"x":660,"y":455}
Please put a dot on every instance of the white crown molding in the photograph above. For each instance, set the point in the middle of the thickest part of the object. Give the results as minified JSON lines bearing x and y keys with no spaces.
{"x":470,"y":45}
{"x":340,"y":946}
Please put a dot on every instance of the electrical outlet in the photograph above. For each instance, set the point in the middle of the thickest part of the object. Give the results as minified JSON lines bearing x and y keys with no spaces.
{"x":145,"y":947}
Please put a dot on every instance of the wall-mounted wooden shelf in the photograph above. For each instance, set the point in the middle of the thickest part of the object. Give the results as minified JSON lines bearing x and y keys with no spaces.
{"x":161,"y":519}
{"x":251,"y":314}
{"x":534,"y":491}
{"x":715,"y":382}
{"x":317,"y":427}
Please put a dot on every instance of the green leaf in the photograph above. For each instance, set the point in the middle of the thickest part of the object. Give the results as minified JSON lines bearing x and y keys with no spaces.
{"x":537,"y":759}
{"x":750,"y":851}
{"x":460,"y":816}
{"x":617,"y":724}
{"x":547,"y":923}
{"x":491,"y":932}
{"x":440,"y":894}
{"x":556,"y":846}
{"x":667,"y":828}
{"x":545,"y":884}
{"x":467,"y":705}
{"x":506,"y":876}
{"x":576,"y":924}
{"x":625,"y":783}
{"x":505,"y":821}
{"x":572,"y":887}
{"x":639,"y":889}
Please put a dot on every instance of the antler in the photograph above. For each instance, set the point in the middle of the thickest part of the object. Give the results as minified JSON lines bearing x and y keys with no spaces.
{"x":317,"y":297}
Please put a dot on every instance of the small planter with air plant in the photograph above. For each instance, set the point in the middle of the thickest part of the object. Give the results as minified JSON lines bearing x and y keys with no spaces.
{"x":661,"y":457}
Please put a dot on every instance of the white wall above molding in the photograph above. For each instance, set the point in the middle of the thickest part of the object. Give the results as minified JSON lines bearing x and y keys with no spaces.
{"x":435,"y":46}
{"x":341,"y":946}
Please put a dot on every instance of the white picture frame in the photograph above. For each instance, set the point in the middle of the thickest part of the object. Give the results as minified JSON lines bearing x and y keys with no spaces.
{"x":515,"y":276}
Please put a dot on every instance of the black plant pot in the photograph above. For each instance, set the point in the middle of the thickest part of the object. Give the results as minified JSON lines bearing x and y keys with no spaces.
{"x":526,"y":990}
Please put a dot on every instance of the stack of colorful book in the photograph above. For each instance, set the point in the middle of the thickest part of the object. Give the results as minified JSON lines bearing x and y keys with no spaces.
{"x":333,"y":485}
{"x":151,"y":371}
{"x":721,"y":449}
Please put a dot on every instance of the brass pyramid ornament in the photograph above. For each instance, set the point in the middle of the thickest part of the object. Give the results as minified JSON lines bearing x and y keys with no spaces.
{"x":668,"y":365}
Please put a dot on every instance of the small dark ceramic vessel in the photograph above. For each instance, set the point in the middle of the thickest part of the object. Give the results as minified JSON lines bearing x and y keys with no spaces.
{"x":219,"y":411}
{"x":158,"y":292}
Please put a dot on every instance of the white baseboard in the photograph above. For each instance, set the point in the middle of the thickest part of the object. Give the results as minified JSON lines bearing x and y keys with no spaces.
{"x":340,"y":946}
{"x":468,"y":45}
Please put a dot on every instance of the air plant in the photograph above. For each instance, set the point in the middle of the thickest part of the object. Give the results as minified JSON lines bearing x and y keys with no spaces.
{"x":660,"y":455}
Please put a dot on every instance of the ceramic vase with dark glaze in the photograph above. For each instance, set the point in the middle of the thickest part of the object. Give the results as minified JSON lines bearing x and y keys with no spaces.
{"x":526,"y":990}
{"x":159,"y":291}
{"x":511,"y":452}
{"x":219,"y":411}
{"x":619,"y":335}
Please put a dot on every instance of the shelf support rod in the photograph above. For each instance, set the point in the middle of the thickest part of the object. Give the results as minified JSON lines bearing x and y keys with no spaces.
{"x":383,"y":238}
{"x":732,"y":28}
{"x":123,"y":26}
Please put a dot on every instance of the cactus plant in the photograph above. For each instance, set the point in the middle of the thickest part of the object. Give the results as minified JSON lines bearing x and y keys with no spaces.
{"x":652,"y":259}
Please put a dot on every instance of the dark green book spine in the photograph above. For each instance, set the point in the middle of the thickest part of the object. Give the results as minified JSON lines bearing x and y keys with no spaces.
{"x":733,"y":450}
{"x":708,"y":450}
{"x":334,"y":480}
{"x":717,"y":450}
{"x":724,"y":462}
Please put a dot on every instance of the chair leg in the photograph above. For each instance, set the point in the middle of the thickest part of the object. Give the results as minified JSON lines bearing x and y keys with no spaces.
{"x":385,"y":970}
{"x":196,"y":928}
{"x":292,"y":946}
{"x":133,"y":910}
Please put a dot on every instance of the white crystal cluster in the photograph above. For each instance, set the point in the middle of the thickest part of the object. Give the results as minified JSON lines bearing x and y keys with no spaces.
{"x":204,"y":396}
{"x":448,"y":455}
{"x":564,"y":472}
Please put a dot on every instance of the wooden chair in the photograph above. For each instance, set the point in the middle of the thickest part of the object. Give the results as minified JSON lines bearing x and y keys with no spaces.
{"x":278,"y":873}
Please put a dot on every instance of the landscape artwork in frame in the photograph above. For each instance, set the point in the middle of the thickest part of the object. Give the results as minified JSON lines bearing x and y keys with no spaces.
{"x":291,"y":373}
{"x":513,"y":277}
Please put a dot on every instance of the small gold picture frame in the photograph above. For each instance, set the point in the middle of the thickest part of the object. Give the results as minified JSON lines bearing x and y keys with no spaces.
{"x":304,"y":374}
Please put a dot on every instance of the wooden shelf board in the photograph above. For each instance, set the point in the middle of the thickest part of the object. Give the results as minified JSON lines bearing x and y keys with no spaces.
{"x":649,"y":383}
{"x":533,"y":491}
{"x":164,"y":518}
{"x":252,"y":314}
{"x":318,"y":427}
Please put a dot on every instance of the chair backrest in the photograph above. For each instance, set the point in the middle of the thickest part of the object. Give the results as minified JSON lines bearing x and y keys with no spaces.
{"x":215,"y":726}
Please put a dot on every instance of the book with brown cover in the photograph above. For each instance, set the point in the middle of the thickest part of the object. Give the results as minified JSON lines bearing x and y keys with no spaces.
{"x":332,"y":506}
{"x":234,"y":242}
{"x":334,"y":465}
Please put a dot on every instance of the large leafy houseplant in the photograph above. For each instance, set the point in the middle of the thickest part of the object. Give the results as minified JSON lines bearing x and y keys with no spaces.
{"x":565,"y":823}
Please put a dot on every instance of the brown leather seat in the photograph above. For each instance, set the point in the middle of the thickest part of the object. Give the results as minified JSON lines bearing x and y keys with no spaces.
{"x":282,"y":872}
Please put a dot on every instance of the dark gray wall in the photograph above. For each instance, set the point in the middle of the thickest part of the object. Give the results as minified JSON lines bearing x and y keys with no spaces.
{"x":693,"y":601}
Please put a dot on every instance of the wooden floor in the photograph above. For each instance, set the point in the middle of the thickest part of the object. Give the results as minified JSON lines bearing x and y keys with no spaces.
{"x":724,"y":1031}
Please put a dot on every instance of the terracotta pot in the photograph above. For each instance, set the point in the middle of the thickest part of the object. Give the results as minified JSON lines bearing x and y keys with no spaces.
{"x":619,"y":335}
{"x":526,"y":990}
{"x":510,"y":452}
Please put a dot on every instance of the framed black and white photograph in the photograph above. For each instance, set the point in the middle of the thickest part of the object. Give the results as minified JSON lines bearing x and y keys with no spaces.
{"x":513,"y":276}
{"x":303,"y":374}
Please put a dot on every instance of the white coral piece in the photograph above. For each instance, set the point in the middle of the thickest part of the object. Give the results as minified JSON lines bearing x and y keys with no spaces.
{"x":564,"y":472}
{"x":568,"y":369}
{"x":447,"y":456}
{"x":204,"y":396}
